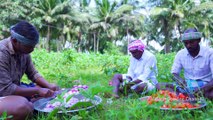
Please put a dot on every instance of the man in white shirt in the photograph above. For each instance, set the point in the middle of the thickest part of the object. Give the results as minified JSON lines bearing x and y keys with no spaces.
{"x":141,"y":72}
{"x":197,"y":63}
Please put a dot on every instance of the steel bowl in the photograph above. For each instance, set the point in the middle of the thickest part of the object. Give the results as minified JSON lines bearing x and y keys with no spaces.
{"x":40,"y":104}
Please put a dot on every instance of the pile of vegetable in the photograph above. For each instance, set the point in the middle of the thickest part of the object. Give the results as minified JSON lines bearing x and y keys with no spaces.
{"x":167,"y":99}
{"x":69,"y":99}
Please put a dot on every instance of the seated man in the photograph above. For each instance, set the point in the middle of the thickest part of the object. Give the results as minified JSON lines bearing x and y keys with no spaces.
{"x":141,"y":72}
{"x":197,"y":63}
{"x":15,"y":61}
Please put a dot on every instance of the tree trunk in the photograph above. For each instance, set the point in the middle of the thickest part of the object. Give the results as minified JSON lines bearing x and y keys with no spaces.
{"x":147,"y":43}
{"x":167,"y":46}
{"x":166,"y":34}
{"x":127,"y":34}
{"x":179,"y":25}
{"x":60,"y":45}
{"x":79,"y":41}
{"x":97,"y":45}
{"x":48,"y":38}
{"x":94,"y":41}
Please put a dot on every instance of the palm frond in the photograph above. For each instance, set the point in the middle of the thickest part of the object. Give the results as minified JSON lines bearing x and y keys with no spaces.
{"x":203,"y":6}
{"x":38,"y":11}
{"x":59,"y":7}
{"x":158,"y":11}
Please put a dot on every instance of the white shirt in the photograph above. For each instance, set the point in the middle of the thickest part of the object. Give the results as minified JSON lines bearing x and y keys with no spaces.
{"x":199,"y":67}
{"x":144,"y":69}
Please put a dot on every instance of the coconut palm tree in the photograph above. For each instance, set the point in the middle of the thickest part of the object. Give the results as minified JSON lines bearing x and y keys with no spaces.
{"x":203,"y":10}
{"x":80,"y":20}
{"x":10,"y":12}
{"x":51,"y":14}
{"x":108,"y":14}
{"x":166,"y":16}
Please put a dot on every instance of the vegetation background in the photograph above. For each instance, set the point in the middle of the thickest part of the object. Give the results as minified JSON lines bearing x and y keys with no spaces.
{"x":109,"y":23}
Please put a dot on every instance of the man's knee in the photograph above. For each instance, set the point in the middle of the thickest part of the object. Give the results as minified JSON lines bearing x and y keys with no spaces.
{"x":117,"y":77}
{"x":209,"y":95}
{"x":26,"y":105}
{"x":141,"y":88}
{"x":22,"y":109}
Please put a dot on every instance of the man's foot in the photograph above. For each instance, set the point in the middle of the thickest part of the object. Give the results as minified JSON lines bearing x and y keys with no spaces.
{"x":115,"y":96}
{"x":141,"y":88}
{"x":110,"y":83}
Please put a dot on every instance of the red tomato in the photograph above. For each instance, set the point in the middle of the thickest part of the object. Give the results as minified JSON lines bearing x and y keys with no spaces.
{"x":182,"y":105}
{"x":188,"y":105}
{"x":165,"y":106}
{"x":150,"y":100}
{"x":172,"y":95}
{"x":181,"y":96}
{"x":161,"y":92}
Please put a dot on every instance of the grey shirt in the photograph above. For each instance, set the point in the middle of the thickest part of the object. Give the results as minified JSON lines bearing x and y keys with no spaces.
{"x":12,"y":67}
{"x":199,"y":67}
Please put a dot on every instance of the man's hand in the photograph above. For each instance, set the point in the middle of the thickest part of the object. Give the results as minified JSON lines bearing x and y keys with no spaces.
{"x":53,"y":87}
{"x":44,"y":92}
{"x":203,"y":89}
{"x":128,"y":78}
{"x":137,"y":81}
{"x":179,"y":80}
{"x":41,"y":82}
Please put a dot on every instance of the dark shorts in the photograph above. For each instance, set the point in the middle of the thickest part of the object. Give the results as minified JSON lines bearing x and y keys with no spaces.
{"x":25,"y":85}
{"x":192,"y":85}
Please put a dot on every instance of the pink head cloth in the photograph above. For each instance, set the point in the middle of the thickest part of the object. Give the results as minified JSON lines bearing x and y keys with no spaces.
{"x":136,"y":45}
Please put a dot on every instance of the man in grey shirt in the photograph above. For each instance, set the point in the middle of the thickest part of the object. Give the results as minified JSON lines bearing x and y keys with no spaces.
{"x":15,"y":61}
{"x":197,"y":63}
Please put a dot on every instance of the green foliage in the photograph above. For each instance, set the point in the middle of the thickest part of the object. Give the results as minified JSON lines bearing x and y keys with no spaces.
{"x":80,"y":105}
{"x":112,"y":49}
{"x":69,"y":55}
{"x":52,"y":115}
{"x":164,"y":64}
{"x":4,"y":116}
{"x":95,"y":89}
{"x":10,"y":12}
{"x":115,"y":64}
{"x":60,"y":98}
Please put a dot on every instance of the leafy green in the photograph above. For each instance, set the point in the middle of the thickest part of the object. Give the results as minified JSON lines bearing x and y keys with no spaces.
{"x":79,"y":105}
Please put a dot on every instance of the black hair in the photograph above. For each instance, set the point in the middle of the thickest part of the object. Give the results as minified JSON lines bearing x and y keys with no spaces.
{"x":27,"y":30}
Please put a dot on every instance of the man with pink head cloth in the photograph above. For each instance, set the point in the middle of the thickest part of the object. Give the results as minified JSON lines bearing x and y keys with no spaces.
{"x":141,"y":75}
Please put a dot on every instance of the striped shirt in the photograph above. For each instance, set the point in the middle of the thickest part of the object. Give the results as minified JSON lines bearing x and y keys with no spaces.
{"x":13,"y":66}
{"x":199,"y":67}
{"x":144,"y":69}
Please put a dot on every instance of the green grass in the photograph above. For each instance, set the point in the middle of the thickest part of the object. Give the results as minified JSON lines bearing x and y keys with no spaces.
{"x":96,"y":69}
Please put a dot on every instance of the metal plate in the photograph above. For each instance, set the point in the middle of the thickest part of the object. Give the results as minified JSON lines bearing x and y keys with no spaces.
{"x":202,"y":104}
{"x":40,"y":104}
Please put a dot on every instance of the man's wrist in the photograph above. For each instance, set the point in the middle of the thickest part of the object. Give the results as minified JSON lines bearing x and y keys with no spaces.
{"x":128,"y":77}
{"x":37,"y":90}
